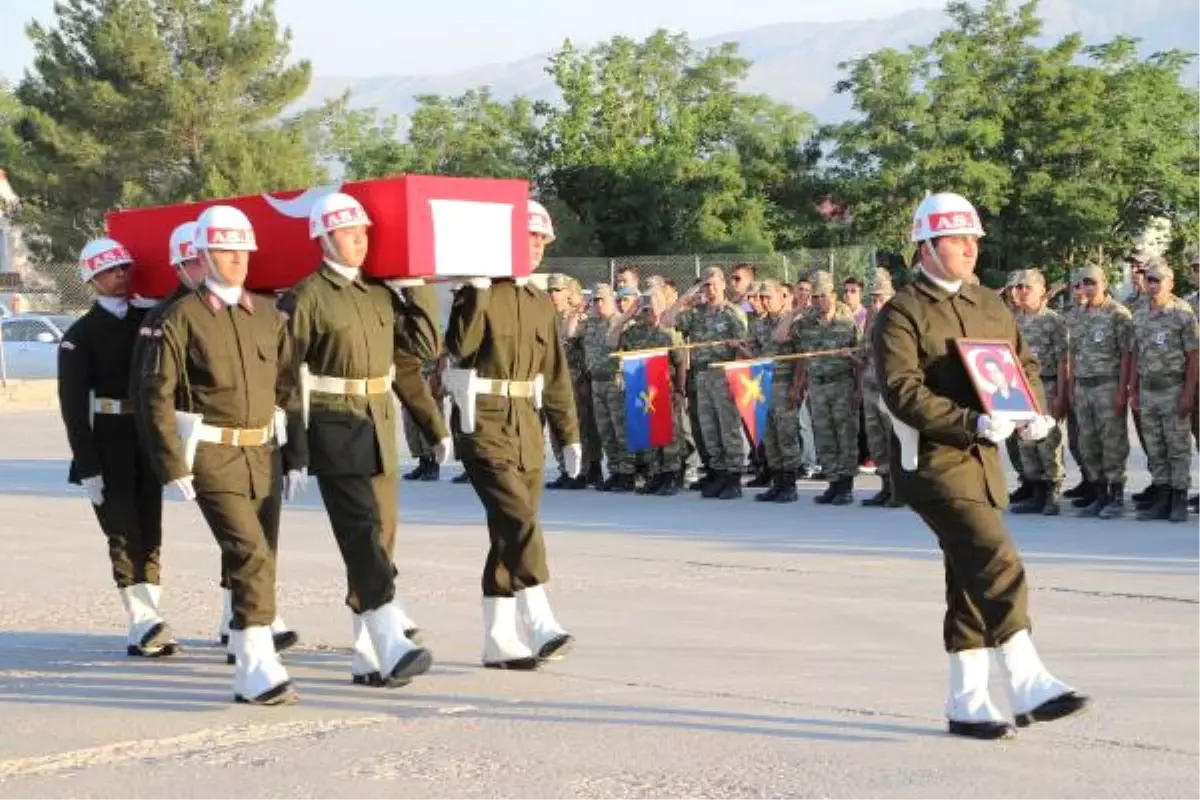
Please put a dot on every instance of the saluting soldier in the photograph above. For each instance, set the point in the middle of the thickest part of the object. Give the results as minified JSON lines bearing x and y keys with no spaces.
{"x":608,"y":394}
{"x":221,"y":356}
{"x":107,"y":455}
{"x":505,"y":335}
{"x":830,"y":384}
{"x":704,"y":314}
{"x":879,"y":426}
{"x":354,"y":342}
{"x":1165,"y":338}
{"x":1100,"y":372}
{"x":1046,"y":333}
{"x":781,"y":439}
{"x":948,"y":470}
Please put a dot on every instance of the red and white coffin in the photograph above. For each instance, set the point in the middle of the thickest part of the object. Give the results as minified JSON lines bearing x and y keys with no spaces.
{"x":422,"y":227}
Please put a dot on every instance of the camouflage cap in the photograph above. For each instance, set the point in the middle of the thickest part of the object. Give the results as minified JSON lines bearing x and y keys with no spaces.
{"x":1091,"y":272}
{"x":755,"y":289}
{"x":712,"y":274}
{"x":602,"y":290}
{"x":1159,"y":270}
{"x":556,"y":281}
{"x":822,"y":283}
{"x":881,"y":282}
{"x":1014,"y":278}
{"x":768,"y":286}
{"x":1031,"y":277}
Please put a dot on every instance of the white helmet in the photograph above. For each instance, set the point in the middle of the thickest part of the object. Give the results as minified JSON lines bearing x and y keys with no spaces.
{"x":945,"y":214}
{"x":333,"y":211}
{"x":183,"y":246}
{"x":100,"y":255}
{"x":224,"y":228}
{"x":539,"y":220}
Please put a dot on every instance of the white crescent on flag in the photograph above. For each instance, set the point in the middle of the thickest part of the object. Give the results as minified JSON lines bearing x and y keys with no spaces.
{"x":300,"y":206}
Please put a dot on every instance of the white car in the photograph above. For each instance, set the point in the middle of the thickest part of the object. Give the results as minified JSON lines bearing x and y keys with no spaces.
{"x":30,"y":344}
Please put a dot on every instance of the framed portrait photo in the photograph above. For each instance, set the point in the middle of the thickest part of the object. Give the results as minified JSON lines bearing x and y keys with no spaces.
{"x":998,"y":378}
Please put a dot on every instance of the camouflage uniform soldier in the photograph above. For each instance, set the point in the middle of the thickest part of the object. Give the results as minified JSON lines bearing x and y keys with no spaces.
{"x":608,"y":395}
{"x":1193,"y":300}
{"x":428,"y":468}
{"x":1081,"y":488}
{"x":643,"y":333}
{"x":1013,"y":445}
{"x":568,"y":304}
{"x":879,"y":425}
{"x":831,"y":384}
{"x":1100,"y":343}
{"x":781,"y":439}
{"x":717,"y":320}
{"x":1164,"y":352}
{"x":1046,"y":334}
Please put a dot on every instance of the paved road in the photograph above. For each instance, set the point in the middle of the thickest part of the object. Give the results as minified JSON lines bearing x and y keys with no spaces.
{"x":726,"y":649}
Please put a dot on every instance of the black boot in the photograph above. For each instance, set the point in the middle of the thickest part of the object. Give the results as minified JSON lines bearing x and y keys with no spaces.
{"x":651,"y":486}
{"x":1051,"y":507}
{"x":1194,"y":502}
{"x":418,"y":473}
{"x":826,"y":497}
{"x":787,"y":488}
{"x":1159,"y":508}
{"x":462,"y":477}
{"x":608,"y":483}
{"x":714,"y":483}
{"x":761,"y":479}
{"x":433,"y":471}
{"x":1077,"y":490}
{"x":731,"y":489}
{"x":1022,"y":493}
{"x":595,"y":474}
{"x":881,"y":497}
{"x":769,"y":494}
{"x":560,"y":482}
{"x":1087,"y":495}
{"x":1145,"y":498}
{"x":1115,"y":508}
{"x":845,"y":492}
{"x":625,"y":484}
{"x":1099,"y":501}
{"x":670,"y":486}
{"x":1179,"y":505}
{"x":1034,"y":501}
{"x":706,"y":478}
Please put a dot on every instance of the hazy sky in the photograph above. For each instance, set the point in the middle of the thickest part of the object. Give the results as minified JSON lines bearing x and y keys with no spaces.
{"x":358,"y":38}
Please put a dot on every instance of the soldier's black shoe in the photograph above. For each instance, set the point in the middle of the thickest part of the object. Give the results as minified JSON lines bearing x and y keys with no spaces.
{"x":1145,"y":498}
{"x":880,"y":498}
{"x":433,"y":472}
{"x":1159,"y":508}
{"x":413,"y":663}
{"x":608,"y":484}
{"x":575,"y":484}
{"x":560,"y":482}
{"x":988,"y":731}
{"x":1052,"y":506}
{"x":1115,"y":508}
{"x":556,"y":648}
{"x":1077,"y":490}
{"x":373,"y":679}
{"x":285,"y":640}
{"x":826,"y":497}
{"x":519,"y":664}
{"x":715,"y":484}
{"x":760,"y":480}
{"x":1035,"y":499}
{"x":670,"y":486}
{"x":705,"y":479}
{"x":1088,"y":495}
{"x":1194,"y":502}
{"x":845,"y":493}
{"x":283,"y":694}
{"x":157,"y":643}
{"x":624,"y":484}
{"x":418,"y":473}
{"x":769,"y":494}
{"x":1064,"y":705}
{"x":787,"y":488}
{"x":1179,"y":508}
{"x":462,"y":477}
{"x":1099,"y":499}
{"x":1022,"y":492}
{"x":651,"y":486}
{"x":732,"y":488}
{"x":595,"y":475}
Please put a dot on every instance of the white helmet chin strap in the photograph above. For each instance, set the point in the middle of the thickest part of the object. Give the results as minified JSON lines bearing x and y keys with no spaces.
{"x":329,"y":252}
{"x":937,"y":260}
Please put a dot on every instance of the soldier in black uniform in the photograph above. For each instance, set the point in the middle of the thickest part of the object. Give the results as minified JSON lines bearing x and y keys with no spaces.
{"x":217,"y":395}
{"x":107,"y":458}
{"x":354,"y":340}
{"x":505,"y":335}
{"x":947,"y":469}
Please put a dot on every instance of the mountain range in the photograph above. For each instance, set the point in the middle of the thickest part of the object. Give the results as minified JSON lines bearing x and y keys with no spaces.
{"x":796,"y":63}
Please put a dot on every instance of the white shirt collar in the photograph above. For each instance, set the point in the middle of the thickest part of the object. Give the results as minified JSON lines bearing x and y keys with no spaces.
{"x":349,"y":273}
{"x":950,"y":286}
{"x":117,"y":306}
{"x":229,"y":295}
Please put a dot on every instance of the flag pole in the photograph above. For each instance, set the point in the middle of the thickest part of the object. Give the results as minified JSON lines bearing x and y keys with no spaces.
{"x":844,"y":351}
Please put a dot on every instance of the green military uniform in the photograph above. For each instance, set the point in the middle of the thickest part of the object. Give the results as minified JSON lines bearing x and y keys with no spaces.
{"x":1099,"y":339}
{"x":608,"y":393}
{"x":781,"y":438}
{"x":878,"y":425}
{"x":94,"y":362}
{"x":593,"y":451}
{"x":356,"y":330}
{"x":830,"y":385}
{"x":230,"y":364}
{"x":958,"y":485}
{"x":1164,"y":339}
{"x":1041,"y":462}
{"x":720,"y":422}
{"x":664,"y":463}
{"x":418,"y":445}
{"x":508,"y":333}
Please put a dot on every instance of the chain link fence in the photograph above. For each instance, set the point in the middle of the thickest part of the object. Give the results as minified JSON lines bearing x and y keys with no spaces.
{"x":842,"y":262}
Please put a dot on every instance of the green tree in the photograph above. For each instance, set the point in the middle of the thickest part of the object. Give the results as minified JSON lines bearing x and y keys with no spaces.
{"x":134,"y":102}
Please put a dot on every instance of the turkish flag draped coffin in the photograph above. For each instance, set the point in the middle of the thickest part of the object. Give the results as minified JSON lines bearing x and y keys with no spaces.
{"x":421,"y":227}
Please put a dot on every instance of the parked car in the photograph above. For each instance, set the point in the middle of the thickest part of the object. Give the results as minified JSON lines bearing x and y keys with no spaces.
{"x":30,"y":344}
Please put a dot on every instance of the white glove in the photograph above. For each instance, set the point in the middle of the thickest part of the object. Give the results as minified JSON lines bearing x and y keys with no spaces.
{"x":1038,"y":428}
{"x":442,"y":450}
{"x":995,"y":430}
{"x":404,"y":283}
{"x":184,"y":487}
{"x":294,"y":483}
{"x":572,"y":459}
{"x":94,"y":486}
{"x":479,"y":283}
